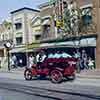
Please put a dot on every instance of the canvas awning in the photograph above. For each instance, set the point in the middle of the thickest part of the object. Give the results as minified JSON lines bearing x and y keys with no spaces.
{"x":83,"y":42}
{"x":17,"y":50}
{"x":28,"y":48}
{"x":46,"y":22}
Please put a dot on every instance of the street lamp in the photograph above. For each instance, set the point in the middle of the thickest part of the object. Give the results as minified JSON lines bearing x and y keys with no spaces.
{"x":8,"y":46}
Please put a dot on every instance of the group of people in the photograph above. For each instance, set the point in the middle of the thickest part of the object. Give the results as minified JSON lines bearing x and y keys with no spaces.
{"x":36,"y":58}
{"x":41,"y":56}
{"x":84,"y":62}
{"x":59,"y":54}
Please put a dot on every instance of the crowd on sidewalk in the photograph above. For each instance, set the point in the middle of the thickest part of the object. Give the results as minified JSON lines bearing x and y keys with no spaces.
{"x":84,"y":62}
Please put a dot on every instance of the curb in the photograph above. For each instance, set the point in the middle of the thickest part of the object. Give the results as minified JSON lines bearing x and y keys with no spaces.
{"x":88,"y":76}
{"x":11,"y":72}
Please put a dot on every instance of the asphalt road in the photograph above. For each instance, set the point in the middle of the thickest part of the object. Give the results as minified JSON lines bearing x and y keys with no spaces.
{"x":11,"y":89}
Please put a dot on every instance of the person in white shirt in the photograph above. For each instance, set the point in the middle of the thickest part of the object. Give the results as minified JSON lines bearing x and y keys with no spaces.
{"x":14,"y":60}
{"x":21,"y":62}
{"x":31,"y":60}
{"x":41,"y":56}
{"x":77,"y":54}
{"x":91,"y":63}
{"x":84,"y":58}
{"x":38,"y":57}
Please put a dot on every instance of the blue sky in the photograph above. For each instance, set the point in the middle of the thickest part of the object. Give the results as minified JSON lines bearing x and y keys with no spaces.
{"x":6,"y":6}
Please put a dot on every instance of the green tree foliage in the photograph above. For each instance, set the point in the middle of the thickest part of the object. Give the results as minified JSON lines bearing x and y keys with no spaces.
{"x":66,"y":16}
{"x":7,"y":24}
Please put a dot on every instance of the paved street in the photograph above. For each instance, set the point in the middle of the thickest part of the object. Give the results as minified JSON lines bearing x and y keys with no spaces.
{"x":14,"y":87}
{"x":13,"y":95}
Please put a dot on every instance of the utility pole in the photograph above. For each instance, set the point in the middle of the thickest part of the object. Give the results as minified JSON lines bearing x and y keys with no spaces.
{"x":8,"y":47}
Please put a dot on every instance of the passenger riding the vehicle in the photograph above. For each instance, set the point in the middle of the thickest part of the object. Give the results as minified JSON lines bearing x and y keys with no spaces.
{"x":65,"y":55}
{"x":57,"y":55}
{"x":51,"y":55}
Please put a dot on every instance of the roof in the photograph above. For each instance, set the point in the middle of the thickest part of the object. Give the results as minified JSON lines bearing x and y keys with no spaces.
{"x":25,"y":8}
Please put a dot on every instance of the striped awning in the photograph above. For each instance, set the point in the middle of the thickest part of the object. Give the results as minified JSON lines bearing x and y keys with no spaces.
{"x":46,"y":22}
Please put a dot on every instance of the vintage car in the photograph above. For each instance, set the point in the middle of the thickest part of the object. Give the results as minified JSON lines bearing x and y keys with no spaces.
{"x":55,"y":68}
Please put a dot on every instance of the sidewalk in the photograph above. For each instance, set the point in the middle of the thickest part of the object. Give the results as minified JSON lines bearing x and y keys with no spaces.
{"x":14,"y":70}
{"x":95,"y":74}
{"x":17,"y":73}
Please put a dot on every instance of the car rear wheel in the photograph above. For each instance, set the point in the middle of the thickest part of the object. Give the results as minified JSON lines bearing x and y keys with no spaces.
{"x":56,"y":76}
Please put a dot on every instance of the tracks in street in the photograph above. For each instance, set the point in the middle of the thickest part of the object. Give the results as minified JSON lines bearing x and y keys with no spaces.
{"x":46,"y":93}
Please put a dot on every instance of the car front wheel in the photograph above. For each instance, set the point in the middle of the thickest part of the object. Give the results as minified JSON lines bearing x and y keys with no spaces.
{"x":28,"y":74}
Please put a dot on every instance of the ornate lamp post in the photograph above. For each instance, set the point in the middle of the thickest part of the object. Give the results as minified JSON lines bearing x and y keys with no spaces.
{"x":8,"y":46}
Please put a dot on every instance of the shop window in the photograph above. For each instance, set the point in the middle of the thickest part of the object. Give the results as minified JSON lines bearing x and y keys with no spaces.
{"x":87,"y":20}
{"x":46,"y":31}
{"x":87,"y":16}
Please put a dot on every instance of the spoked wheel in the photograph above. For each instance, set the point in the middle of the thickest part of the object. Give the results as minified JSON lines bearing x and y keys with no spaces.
{"x":28,"y":74}
{"x":56,"y":76}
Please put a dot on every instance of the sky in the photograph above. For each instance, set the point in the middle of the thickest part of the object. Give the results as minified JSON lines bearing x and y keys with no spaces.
{"x":6,"y":6}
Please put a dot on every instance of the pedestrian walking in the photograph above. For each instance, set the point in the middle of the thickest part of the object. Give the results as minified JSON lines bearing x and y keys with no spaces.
{"x":78,"y":65}
{"x":84,"y":59}
{"x":21,"y":62}
{"x":14,"y":61}
{"x":91,"y":63}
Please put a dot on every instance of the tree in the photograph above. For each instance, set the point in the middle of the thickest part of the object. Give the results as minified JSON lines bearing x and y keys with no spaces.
{"x":6,"y":29}
{"x":66,"y":16}
{"x":7,"y":25}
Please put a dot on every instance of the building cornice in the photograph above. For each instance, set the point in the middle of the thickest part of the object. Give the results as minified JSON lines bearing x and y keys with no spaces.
{"x":24,"y":8}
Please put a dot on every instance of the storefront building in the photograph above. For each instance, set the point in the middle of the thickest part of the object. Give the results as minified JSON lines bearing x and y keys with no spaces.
{"x":91,"y":16}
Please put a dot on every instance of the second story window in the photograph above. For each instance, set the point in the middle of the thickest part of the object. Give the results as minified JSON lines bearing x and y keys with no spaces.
{"x":3,"y":37}
{"x":18,"y":26}
{"x":87,"y":15}
{"x":19,"y":40}
{"x":37,"y":37}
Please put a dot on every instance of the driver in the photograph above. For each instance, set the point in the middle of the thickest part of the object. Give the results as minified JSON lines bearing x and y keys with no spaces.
{"x":41,"y":56}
